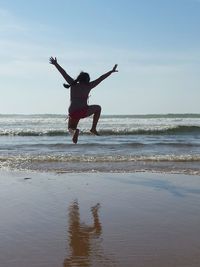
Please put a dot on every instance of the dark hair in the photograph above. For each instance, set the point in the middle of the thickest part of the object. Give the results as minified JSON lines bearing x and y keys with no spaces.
{"x":83,"y":77}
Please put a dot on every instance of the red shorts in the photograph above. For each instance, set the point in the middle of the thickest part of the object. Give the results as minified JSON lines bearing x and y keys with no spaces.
{"x":79,"y":114}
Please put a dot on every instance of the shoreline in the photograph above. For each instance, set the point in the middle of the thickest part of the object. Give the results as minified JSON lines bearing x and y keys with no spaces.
{"x":99,"y":219}
{"x":99,"y":171}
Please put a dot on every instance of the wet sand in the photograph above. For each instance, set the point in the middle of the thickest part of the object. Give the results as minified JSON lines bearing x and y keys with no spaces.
{"x":104,"y":219}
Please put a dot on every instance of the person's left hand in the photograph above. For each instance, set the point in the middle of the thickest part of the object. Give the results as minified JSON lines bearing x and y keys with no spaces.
{"x":53,"y":60}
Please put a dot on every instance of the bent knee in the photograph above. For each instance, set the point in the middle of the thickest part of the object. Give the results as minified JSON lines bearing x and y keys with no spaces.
{"x":98,"y":108}
{"x":93,"y":109}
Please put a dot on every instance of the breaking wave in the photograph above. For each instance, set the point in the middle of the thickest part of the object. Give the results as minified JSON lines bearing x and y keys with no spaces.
{"x":173,"y":130}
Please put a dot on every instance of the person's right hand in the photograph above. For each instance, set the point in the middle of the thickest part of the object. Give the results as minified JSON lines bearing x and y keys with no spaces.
{"x":115,"y":68}
{"x":53,"y":60}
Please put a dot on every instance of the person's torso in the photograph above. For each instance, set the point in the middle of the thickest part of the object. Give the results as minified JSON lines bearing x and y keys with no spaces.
{"x":78,"y":96}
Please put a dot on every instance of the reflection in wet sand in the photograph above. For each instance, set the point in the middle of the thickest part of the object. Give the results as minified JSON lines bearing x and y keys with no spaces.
{"x":82,"y":238}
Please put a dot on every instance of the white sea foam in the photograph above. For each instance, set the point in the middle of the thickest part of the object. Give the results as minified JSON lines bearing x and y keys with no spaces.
{"x":127,"y":143}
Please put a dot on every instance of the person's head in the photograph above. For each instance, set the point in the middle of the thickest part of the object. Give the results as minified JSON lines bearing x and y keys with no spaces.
{"x":83,"y":77}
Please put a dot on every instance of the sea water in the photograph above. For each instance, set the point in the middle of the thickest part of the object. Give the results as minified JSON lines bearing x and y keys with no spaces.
{"x":127,"y":143}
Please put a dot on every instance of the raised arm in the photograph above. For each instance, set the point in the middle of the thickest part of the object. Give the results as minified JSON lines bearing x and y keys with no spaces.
{"x":103,"y":77}
{"x":54,"y":62}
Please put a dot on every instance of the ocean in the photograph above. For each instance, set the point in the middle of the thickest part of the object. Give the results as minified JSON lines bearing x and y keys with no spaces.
{"x":128,"y":143}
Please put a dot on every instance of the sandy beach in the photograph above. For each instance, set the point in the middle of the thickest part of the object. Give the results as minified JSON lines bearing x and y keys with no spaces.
{"x":99,"y":219}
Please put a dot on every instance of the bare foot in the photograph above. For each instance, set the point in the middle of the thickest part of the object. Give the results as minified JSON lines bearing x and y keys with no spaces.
{"x":94,"y":131}
{"x":75,"y":136}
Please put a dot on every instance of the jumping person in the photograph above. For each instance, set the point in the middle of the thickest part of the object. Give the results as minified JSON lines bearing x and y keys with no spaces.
{"x":79,"y":91}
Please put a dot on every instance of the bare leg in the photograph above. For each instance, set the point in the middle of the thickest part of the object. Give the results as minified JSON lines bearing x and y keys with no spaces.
{"x":97,"y":224}
{"x":96,"y":110}
{"x":95,"y":121}
{"x":72,"y":127}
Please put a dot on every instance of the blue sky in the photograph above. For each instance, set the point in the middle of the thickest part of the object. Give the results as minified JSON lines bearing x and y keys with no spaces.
{"x":156,"y":44}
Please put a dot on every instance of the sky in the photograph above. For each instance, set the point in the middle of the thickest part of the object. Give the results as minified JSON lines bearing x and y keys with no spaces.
{"x":156,"y":44}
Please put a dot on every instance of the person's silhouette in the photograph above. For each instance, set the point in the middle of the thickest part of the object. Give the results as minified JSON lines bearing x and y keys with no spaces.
{"x":79,"y":92}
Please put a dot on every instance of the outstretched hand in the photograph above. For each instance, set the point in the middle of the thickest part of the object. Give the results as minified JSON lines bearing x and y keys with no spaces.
{"x":115,"y":68}
{"x":53,"y":60}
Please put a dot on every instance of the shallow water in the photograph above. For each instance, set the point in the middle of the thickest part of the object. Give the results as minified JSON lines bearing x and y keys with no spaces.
{"x":168,"y":143}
